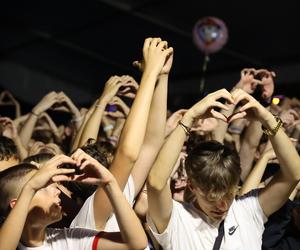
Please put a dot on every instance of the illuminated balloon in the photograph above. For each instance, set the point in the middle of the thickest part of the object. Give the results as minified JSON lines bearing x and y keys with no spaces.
{"x":210,"y":34}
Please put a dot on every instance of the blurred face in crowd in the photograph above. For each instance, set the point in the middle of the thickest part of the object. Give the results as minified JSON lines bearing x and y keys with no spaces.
{"x":45,"y":207}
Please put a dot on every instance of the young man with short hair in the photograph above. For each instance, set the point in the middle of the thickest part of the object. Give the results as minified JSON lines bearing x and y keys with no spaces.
{"x":215,"y":218}
{"x":30,"y":202}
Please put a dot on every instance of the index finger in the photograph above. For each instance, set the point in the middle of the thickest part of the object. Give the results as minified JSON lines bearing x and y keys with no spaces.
{"x":223,"y":93}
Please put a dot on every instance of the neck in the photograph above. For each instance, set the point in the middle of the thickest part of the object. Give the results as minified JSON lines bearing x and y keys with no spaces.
{"x":33,"y":235}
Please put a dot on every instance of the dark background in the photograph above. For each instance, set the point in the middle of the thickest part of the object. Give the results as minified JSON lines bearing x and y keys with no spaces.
{"x":75,"y":46}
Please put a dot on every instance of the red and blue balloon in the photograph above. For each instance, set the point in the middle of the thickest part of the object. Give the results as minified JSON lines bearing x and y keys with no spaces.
{"x":210,"y":34}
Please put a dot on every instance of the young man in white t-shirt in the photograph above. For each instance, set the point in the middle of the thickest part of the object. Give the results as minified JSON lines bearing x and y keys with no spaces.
{"x":213,"y":171}
{"x":30,"y":202}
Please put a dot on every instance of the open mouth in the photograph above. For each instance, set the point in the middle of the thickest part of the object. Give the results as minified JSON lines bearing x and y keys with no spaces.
{"x":58,"y":204}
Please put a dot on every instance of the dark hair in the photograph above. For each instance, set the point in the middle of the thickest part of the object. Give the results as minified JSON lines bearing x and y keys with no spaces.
{"x":9,"y":178}
{"x":39,"y":158}
{"x":102,"y":151}
{"x":214,"y":168}
{"x":8,"y":149}
{"x":45,"y":136}
{"x":193,"y":141}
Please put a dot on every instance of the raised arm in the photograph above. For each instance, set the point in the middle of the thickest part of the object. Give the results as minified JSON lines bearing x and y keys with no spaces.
{"x":11,"y":229}
{"x":276,"y":193}
{"x":249,"y":145}
{"x":254,"y":178}
{"x":132,"y":235}
{"x":28,"y":127}
{"x":155,"y":131}
{"x":132,"y":137}
{"x":248,"y":83}
{"x":92,"y":125}
{"x":159,"y":193}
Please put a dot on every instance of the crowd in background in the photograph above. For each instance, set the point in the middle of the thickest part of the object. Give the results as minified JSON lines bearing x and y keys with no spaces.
{"x":125,"y":141}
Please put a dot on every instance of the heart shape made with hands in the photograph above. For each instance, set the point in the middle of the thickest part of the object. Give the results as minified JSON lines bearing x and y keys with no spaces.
{"x":237,"y":114}
{"x":234,"y":116}
{"x":60,"y":106}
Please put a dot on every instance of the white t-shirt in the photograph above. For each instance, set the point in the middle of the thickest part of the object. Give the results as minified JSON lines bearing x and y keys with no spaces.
{"x":188,"y":228}
{"x":85,"y":218}
{"x":67,"y":239}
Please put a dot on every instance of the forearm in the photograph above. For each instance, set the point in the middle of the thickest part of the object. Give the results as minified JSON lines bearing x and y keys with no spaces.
{"x":18,"y":110}
{"x":92,"y":126}
{"x":130,"y":227}
{"x":76,"y":139}
{"x":28,"y":127}
{"x":220,"y":131}
{"x":248,"y":148}
{"x":254,"y":178}
{"x":135,"y":125}
{"x":21,"y":149}
{"x":158,"y":113}
{"x":155,"y":132}
{"x":285,"y":152}
{"x":168,"y":155}
{"x":12,"y":228}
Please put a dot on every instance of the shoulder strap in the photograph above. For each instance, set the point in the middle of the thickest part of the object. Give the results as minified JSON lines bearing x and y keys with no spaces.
{"x":220,"y":236}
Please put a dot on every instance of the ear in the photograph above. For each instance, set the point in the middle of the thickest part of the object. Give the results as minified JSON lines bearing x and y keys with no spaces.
{"x":12,"y":202}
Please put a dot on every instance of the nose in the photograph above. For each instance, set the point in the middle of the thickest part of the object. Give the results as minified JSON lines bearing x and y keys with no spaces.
{"x":222,"y":205}
{"x":55,"y":190}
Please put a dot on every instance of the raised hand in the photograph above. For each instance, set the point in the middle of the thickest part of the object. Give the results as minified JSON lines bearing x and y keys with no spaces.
{"x":7,"y":99}
{"x":93,"y":172}
{"x":111,"y":88}
{"x":64,"y":103}
{"x":51,"y":172}
{"x":8,"y":128}
{"x":248,"y":82}
{"x":251,"y":108}
{"x":165,"y":70}
{"x":267,"y":82}
{"x":173,"y":120}
{"x":129,"y":87}
{"x":206,"y":107}
{"x":121,"y":104}
{"x":45,"y":103}
{"x":155,"y":54}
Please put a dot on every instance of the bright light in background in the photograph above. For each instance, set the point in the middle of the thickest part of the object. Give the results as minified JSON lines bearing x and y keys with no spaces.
{"x":275,"y":100}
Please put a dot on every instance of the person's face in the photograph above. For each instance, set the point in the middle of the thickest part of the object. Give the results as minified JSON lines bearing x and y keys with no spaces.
{"x":216,"y":210}
{"x":45,"y":207}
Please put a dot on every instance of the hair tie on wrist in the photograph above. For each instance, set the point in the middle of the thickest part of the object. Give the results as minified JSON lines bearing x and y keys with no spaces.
{"x":186,"y":129}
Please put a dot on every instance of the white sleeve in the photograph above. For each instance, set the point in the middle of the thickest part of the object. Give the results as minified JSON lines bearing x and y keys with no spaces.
{"x":250,"y":204}
{"x":79,"y":238}
{"x":85,"y":218}
{"x":165,"y":238}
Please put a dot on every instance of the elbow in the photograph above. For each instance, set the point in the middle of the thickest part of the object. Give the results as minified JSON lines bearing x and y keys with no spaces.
{"x":155,"y":183}
{"x":140,"y":244}
{"x":129,"y":153}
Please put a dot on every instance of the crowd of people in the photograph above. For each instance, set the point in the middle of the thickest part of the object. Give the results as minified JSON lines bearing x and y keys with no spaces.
{"x":128,"y":173}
